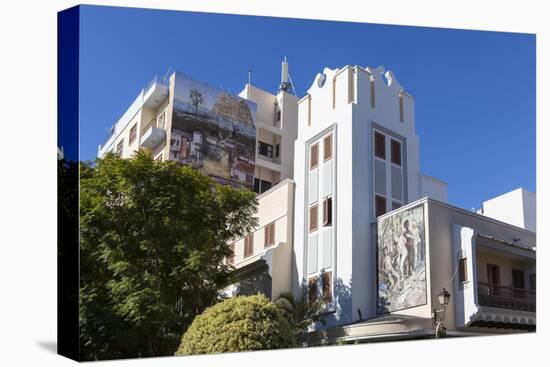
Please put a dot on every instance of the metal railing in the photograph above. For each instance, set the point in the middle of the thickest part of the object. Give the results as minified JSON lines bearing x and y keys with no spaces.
{"x":506,"y":297}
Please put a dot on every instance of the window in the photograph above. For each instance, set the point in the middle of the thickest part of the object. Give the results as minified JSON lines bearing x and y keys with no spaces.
{"x":379,"y":145}
{"x":312,"y":289}
{"x":462,"y":270}
{"x":314,"y":156}
{"x":133,"y":134}
{"x":120,"y":147}
{"x":313,"y":218}
{"x":277,"y":150}
{"x":327,"y":286}
{"x":493,"y":278}
{"x":278,"y":115}
{"x":161,"y":121}
{"x":533,"y":282}
{"x":327,"y":212}
{"x":261,"y":186}
{"x":327,"y":150}
{"x":249,"y":245}
{"x":269,"y":238}
{"x":265,"y":149}
{"x":395,"y":205}
{"x":401,"y":117}
{"x":230,"y":260}
{"x":518,"y":283}
{"x":395,"y":152}
{"x":380,"y":205}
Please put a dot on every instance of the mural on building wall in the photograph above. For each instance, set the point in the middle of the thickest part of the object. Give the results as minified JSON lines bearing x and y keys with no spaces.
{"x":213,"y":131}
{"x":401,"y":260}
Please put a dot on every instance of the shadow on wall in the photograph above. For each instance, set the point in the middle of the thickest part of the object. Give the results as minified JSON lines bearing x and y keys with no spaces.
{"x":340,"y":311}
{"x":255,"y":282}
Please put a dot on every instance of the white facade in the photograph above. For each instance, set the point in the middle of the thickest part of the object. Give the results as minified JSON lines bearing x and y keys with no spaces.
{"x":266,"y":266}
{"x":517,"y":207}
{"x":329,"y":167}
{"x":357,"y":106}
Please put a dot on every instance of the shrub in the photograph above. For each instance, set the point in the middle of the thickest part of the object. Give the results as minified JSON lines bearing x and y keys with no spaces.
{"x":239,"y":324}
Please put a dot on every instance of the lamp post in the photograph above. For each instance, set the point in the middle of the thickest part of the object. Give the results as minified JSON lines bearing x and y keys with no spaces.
{"x":438,"y":315}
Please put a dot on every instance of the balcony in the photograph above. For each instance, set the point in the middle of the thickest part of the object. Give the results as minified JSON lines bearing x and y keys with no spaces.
{"x":152,"y":137}
{"x":506,"y":297}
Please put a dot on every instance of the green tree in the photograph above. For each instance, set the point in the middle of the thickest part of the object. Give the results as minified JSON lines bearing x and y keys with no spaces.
{"x":153,"y":237}
{"x":239,"y":324}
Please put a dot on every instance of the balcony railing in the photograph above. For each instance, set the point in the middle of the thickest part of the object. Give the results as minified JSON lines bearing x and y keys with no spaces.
{"x":506,"y":297}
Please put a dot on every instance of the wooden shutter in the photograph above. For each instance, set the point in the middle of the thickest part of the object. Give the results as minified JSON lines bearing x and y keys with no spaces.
{"x":462,"y":273}
{"x":269,"y":235}
{"x":313,"y":218}
{"x":327,"y":150}
{"x":312,"y":289}
{"x":133,"y":133}
{"x":272,"y":234}
{"x":327,"y":212}
{"x":314,"y":156}
{"x":327,"y":286}
{"x":248,"y":245}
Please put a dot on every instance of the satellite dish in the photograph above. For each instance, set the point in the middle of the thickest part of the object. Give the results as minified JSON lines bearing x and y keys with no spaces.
{"x":321,"y":80}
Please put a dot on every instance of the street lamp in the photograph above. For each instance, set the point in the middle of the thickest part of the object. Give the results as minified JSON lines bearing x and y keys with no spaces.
{"x":444,"y":297}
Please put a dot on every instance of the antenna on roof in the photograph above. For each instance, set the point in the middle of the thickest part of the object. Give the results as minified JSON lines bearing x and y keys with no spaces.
{"x":249,"y":76}
{"x":292,"y":85}
{"x":285,"y":84}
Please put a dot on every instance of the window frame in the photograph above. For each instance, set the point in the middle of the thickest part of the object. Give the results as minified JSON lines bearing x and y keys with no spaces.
{"x":375,"y":145}
{"x":248,"y":245}
{"x":326,"y":286}
{"x":313,"y":288}
{"x":329,"y":138}
{"x":120,"y":151}
{"x":392,"y":141}
{"x":462,"y":270}
{"x":376,"y":196}
{"x":133,"y":134}
{"x":327,"y":211}
{"x":269,"y":235}
{"x":315,"y":208}
{"x":312,"y":166}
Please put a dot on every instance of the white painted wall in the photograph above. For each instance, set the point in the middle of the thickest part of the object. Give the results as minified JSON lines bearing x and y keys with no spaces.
{"x":517,"y":207}
{"x":433,"y":188}
{"x":343,"y":104}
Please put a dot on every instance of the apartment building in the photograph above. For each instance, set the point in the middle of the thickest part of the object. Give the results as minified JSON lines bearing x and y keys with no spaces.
{"x":241,"y":141}
{"x":345,"y":213}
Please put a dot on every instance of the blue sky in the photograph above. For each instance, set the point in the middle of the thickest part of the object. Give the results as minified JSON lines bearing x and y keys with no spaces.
{"x":474,"y":91}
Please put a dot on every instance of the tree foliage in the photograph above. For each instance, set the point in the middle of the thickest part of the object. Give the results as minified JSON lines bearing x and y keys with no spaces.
{"x":153,"y":236}
{"x":241,"y":323}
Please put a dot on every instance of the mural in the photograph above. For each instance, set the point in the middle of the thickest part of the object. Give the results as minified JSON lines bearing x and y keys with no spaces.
{"x":213,"y":131}
{"x":401,"y":260}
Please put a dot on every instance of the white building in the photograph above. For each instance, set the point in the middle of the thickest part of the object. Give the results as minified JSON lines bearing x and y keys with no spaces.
{"x":346,"y":215}
{"x":357,"y":153}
